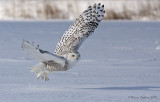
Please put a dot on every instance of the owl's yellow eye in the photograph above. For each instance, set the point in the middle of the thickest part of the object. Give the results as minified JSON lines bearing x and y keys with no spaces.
{"x":73,"y":55}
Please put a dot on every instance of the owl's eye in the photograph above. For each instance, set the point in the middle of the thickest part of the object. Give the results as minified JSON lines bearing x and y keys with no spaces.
{"x":73,"y":55}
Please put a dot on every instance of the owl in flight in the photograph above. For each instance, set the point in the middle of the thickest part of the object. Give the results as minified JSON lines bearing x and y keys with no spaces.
{"x":66,"y":53}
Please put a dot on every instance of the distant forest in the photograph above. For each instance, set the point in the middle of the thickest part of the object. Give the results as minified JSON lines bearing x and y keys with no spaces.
{"x":70,"y":9}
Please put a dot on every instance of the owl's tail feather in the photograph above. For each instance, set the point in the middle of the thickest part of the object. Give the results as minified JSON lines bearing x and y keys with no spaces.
{"x":40,"y":71}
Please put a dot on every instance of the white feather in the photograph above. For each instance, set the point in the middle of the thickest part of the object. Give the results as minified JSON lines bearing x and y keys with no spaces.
{"x":34,"y":52}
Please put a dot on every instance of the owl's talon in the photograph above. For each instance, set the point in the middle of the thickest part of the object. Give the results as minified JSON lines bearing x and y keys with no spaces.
{"x":46,"y":79}
{"x":43,"y":76}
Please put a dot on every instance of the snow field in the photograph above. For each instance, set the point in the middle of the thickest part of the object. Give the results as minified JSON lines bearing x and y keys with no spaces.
{"x":119,"y":63}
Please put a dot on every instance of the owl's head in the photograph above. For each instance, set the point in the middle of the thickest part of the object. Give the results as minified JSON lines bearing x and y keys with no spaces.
{"x":73,"y":58}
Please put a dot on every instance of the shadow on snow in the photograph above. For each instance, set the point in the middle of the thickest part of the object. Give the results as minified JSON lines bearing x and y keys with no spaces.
{"x":151,"y":88}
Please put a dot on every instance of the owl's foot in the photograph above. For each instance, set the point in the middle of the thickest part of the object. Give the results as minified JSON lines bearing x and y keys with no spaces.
{"x":40,"y":71}
{"x":43,"y":75}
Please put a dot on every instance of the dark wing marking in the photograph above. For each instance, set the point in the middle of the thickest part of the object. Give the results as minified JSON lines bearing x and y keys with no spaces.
{"x":82,"y":28}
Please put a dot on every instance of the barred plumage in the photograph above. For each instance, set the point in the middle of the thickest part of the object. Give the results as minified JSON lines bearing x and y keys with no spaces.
{"x":82,"y":28}
{"x":53,"y":66}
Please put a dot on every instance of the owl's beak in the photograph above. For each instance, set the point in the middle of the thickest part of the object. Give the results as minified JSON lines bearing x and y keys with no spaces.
{"x":78,"y":58}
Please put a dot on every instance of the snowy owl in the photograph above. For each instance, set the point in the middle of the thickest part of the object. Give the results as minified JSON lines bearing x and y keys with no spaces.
{"x":66,"y":53}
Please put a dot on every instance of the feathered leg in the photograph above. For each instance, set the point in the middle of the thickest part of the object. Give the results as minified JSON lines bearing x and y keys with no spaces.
{"x":40,"y":71}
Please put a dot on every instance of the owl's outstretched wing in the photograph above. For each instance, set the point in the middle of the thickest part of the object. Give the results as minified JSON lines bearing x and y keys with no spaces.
{"x":41,"y":55}
{"x":82,"y":28}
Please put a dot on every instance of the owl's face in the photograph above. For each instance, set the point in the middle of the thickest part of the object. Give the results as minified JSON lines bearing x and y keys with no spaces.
{"x":72,"y":59}
{"x":73,"y":56}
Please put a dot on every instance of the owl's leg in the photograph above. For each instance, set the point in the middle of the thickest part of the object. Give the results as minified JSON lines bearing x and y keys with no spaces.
{"x":43,"y":75}
{"x":40,"y":71}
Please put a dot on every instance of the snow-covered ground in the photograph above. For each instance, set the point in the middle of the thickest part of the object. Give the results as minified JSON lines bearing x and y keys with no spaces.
{"x":120,"y":62}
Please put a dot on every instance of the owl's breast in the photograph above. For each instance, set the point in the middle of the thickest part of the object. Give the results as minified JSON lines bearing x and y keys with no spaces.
{"x":53,"y":66}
